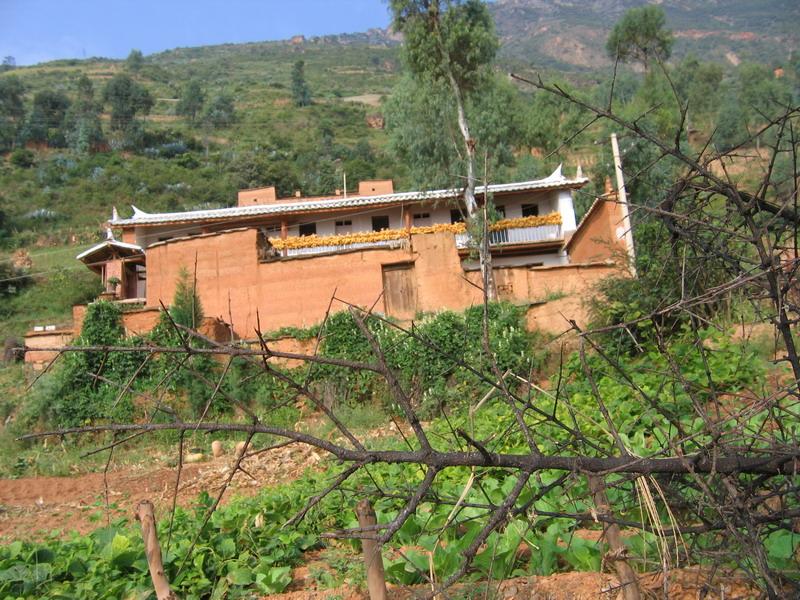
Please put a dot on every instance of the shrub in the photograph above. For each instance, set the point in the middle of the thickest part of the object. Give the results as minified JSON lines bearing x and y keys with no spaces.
{"x":434,"y":362}
{"x":22,"y":158}
{"x":75,"y":396}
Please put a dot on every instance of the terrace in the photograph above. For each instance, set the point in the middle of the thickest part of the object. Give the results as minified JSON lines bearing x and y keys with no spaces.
{"x":525,"y":231}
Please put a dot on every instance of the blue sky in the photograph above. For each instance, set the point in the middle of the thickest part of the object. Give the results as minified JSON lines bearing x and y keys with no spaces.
{"x":38,"y":30}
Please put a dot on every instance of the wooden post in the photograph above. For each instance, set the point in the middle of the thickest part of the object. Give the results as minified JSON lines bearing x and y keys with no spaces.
{"x":618,"y":554}
{"x":144,"y":514}
{"x":373,"y":561}
{"x":284,"y":234}
{"x":407,"y":218}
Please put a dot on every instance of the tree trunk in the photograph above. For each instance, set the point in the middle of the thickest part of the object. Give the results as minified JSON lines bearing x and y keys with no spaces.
{"x":618,"y":552}
{"x":484,"y":252}
{"x":373,"y":561}
{"x":144,"y":514}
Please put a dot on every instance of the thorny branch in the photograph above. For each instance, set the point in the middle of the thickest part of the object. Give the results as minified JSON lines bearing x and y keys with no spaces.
{"x":735,"y":474}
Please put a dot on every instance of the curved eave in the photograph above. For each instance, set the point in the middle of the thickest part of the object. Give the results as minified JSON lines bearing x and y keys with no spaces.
{"x":122,"y":248}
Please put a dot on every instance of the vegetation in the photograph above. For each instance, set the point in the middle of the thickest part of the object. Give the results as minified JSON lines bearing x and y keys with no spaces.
{"x":300,"y":92}
{"x":245,"y":548}
{"x":661,"y":377}
{"x":641,"y":35}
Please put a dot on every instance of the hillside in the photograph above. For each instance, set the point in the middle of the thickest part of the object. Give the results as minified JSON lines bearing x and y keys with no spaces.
{"x":570,"y":35}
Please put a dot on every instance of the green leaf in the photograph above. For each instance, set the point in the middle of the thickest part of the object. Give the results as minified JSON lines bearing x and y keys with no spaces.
{"x":227,"y":547}
{"x":274,"y":581}
{"x":240,"y":576}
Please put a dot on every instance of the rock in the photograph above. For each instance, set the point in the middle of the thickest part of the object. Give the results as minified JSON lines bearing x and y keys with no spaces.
{"x":193,"y":457}
{"x":239,"y":449}
{"x":216,"y":449}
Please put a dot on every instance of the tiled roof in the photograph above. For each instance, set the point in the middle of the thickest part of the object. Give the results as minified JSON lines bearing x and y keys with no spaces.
{"x":110,"y":243}
{"x":555,"y":181}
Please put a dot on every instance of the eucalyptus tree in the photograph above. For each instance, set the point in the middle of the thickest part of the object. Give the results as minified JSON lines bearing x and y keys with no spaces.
{"x":451,"y":44}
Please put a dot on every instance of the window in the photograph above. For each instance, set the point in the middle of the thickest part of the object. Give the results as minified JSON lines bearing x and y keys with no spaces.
{"x":501,"y":211}
{"x":380,"y":222}
{"x":308,"y":229}
{"x":456,"y":216}
{"x":421,"y":219}
{"x":344,"y":226}
{"x":530,"y":210}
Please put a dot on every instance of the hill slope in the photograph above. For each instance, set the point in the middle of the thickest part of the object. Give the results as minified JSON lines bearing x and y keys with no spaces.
{"x":571,"y":34}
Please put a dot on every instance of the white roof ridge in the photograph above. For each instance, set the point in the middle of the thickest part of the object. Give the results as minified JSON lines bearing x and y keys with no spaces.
{"x":111,"y":242}
{"x":555,"y":179}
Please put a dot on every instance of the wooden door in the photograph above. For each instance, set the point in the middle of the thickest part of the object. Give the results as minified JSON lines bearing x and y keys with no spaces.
{"x":400,"y":290}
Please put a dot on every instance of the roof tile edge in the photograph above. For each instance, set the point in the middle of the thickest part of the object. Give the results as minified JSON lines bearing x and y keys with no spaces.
{"x":554,"y":181}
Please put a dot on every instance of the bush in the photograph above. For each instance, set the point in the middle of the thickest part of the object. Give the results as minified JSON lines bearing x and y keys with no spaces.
{"x":74,"y":396}
{"x":439,"y":364}
{"x":23,"y":158}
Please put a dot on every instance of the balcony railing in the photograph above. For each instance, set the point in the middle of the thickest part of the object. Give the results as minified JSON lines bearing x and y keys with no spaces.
{"x":344,"y":247}
{"x":516,"y":235}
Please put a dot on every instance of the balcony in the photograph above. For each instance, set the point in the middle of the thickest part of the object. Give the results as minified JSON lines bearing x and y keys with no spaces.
{"x":515,"y":236}
{"x":507,"y":232}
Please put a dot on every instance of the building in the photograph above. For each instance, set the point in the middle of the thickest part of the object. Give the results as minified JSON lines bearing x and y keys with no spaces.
{"x":272,"y":262}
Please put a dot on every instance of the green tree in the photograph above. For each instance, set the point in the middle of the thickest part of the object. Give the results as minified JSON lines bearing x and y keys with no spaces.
{"x":220,"y":111}
{"x":423,"y":131}
{"x":549,"y":121}
{"x":731,"y":125}
{"x":300,"y":91}
{"x":698,"y":84}
{"x":46,"y":122}
{"x":640,"y":35}
{"x":9,"y":64}
{"x":191,"y":101}
{"x":127,"y":99}
{"x":12,"y":110}
{"x":761,"y":96}
{"x":134,"y":61}
{"x":84,"y":132}
{"x":186,"y":309}
{"x":452,"y":43}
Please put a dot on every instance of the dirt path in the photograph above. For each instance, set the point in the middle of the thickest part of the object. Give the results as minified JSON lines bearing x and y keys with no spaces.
{"x":682,"y":584}
{"x":33,"y":507}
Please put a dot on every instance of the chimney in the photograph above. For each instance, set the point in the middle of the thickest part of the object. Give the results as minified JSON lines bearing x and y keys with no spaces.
{"x":297,"y":194}
{"x":255,"y":196}
{"x":375,"y":187}
{"x":338,"y":192}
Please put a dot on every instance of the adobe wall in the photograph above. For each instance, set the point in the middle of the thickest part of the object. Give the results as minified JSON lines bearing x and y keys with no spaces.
{"x":139,"y":322}
{"x":45,"y":339}
{"x":568,"y":288}
{"x":440,"y":277}
{"x":236,"y":288}
{"x":78,"y":315}
{"x":600,"y":236}
{"x":558,"y":293}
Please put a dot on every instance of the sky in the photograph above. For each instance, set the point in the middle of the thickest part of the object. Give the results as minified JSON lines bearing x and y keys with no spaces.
{"x":35,"y":31}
